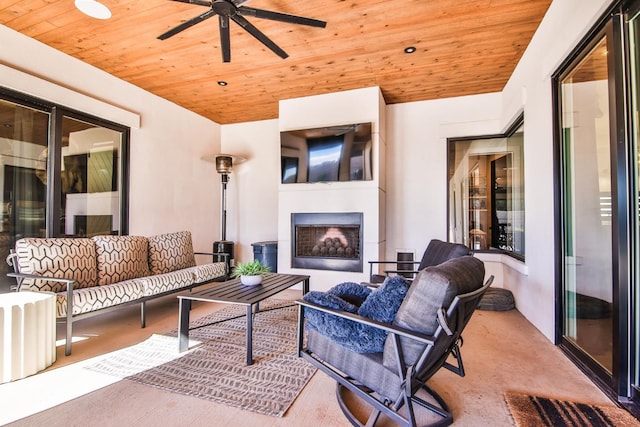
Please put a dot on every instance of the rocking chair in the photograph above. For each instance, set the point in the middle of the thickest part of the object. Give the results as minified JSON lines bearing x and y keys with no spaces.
{"x":425,"y":332}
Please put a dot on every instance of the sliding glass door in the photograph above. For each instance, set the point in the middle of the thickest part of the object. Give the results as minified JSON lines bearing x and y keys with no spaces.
{"x":62,"y":173}
{"x":597,"y":94}
{"x":89,"y":179}
{"x":23,"y":138}
{"x":588,"y":269}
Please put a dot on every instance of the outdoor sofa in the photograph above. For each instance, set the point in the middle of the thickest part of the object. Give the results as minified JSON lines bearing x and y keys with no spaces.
{"x":93,"y":275}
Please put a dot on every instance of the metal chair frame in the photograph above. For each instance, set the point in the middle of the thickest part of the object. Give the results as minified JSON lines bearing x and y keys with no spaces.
{"x":413,"y":377}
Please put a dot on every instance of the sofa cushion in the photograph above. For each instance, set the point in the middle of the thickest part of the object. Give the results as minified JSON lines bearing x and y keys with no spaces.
{"x":166,"y":282}
{"x":67,"y":258}
{"x":98,"y":297}
{"x":171,"y":252}
{"x":121,"y":258}
{"x":206,"y":272}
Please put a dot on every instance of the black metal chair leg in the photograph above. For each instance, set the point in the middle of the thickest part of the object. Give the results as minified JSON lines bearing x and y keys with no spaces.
{"x":143,"y":315}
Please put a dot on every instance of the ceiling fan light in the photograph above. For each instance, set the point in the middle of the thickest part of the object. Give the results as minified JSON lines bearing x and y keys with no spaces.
{"x":93,"y":9}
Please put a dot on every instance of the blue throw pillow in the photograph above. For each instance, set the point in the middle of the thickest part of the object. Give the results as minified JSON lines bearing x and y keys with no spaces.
{"x":381,"y":304}
{"x":329,"y":300}
{"x":352,"y":292}
{"x":319,"y":320}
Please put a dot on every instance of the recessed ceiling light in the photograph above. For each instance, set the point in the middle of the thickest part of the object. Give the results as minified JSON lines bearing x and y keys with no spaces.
{"x":409,"y":49}
{"x":222,"y":83}
{"x":93,"y":9}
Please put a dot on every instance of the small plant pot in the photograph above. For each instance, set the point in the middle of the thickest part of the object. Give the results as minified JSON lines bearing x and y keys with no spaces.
{"x":251,"y":280}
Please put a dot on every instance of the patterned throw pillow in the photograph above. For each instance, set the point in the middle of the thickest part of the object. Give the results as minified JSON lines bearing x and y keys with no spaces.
{"x":171,"y":252}
{"x":121,"y":258}
{"x":61,"y":257}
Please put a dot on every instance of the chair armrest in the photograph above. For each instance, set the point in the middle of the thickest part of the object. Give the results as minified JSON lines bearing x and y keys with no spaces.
{"x":426,"y":339}
{"x":35,"y":276}
{"x":21,"y":276}
{"x":394,"y":262}
{"x":387,"y":272}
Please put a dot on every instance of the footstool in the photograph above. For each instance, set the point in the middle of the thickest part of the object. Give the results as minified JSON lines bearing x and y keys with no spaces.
{"x":27,"y":333}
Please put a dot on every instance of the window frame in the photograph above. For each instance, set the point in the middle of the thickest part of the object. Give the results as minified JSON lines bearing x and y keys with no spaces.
{"x":517,"y":123}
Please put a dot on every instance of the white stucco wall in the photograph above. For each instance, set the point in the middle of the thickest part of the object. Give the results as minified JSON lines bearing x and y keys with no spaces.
{"x":252,"y":193}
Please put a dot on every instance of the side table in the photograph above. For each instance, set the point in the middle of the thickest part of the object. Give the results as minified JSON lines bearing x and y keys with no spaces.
{"x":27,"y":333}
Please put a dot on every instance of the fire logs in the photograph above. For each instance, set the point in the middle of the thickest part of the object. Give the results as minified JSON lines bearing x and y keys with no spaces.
{"x":333,"y":247}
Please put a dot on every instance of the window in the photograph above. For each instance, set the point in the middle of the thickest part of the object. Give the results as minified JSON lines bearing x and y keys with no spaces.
{"x":62,"y":172}
{"x":486,"y":192}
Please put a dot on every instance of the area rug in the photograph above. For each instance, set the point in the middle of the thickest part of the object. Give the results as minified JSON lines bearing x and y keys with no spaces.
{"x":216,"y":368}
{"x":533,"y":411}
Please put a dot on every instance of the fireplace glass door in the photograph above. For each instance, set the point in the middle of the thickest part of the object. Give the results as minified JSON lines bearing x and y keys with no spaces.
{"x":327,"y":241}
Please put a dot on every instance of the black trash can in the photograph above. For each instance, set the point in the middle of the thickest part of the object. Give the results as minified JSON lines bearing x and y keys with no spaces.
{"x":267,"y":254}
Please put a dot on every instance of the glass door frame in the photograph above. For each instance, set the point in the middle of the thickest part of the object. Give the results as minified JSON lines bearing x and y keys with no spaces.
{"x":632,"y":323}
{"x":55,"y":158}
{"x":622,"y":158}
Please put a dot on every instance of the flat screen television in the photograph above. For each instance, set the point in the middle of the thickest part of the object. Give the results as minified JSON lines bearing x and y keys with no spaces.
{"x":328,"y":154}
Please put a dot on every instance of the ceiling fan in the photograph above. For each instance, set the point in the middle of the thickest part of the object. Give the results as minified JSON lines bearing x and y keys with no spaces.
{"x":236,"y":11}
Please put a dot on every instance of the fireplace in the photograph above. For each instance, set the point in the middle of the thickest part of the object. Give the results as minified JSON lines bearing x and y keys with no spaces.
{"x":327,"y":241}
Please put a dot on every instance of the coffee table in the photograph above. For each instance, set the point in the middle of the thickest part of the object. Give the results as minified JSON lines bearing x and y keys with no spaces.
{"x":234,"y":292}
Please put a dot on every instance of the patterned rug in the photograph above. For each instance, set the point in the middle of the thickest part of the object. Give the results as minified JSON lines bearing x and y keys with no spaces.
{"x":534,"y":411}
{"x":216,"y":368}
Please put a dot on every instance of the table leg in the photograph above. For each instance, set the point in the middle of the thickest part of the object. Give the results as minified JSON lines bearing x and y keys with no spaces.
{"x":183,"y":324}
{"x":249,"y":334}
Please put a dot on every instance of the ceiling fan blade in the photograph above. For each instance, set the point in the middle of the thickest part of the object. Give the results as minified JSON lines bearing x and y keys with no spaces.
{"x":225,"y":41}
{"x":198,"y":2}
{"x":240,"y":20}
{"x":282,"y":17}
{"x":187,"y":24}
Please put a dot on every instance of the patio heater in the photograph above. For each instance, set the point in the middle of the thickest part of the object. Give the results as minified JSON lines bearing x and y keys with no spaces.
{"x":223,"y":250}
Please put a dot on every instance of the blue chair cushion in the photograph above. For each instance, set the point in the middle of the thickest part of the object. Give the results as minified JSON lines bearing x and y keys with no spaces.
{"x":380,"y":304}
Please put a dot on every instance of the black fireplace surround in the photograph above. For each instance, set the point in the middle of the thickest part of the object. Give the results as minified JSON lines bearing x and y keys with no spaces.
{"x":327,"y":241}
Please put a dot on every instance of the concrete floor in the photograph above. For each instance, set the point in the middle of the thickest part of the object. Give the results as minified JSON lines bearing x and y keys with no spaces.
{"x":502,"y":352}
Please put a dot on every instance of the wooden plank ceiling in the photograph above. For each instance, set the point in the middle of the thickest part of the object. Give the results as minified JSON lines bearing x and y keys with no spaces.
{"x":463,"y":47}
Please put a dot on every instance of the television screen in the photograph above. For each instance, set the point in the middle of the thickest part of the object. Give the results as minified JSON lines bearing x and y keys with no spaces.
{"x":337,"y":153}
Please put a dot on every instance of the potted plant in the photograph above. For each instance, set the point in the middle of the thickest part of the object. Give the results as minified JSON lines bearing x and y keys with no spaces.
{"x":250,"y":273}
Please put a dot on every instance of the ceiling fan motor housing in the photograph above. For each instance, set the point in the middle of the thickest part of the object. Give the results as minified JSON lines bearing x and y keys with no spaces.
{"x":224,"y":8}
